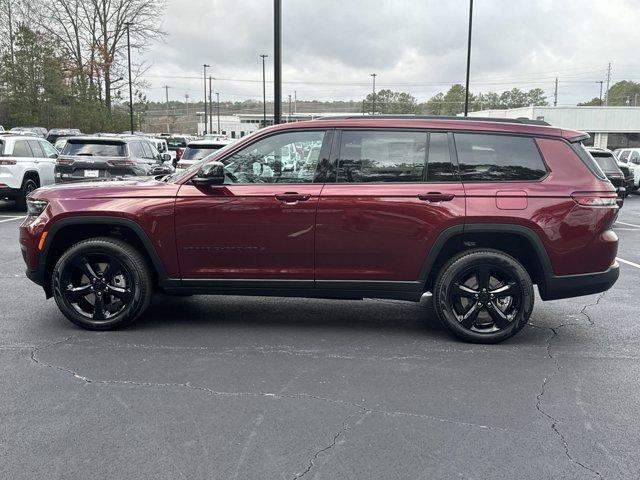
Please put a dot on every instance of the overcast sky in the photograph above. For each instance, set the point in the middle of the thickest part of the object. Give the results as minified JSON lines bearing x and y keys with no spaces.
{"x":330,"y":47}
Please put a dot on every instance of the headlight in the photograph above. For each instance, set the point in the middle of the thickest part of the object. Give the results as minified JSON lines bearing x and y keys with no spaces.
{"x":36,"y":207}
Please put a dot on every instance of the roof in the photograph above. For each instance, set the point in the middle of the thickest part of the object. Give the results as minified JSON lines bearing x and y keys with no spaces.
{"x":439,"y":123}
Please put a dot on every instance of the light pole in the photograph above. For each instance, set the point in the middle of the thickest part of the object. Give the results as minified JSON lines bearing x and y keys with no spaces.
{"x":127,"y":24}
{"x":218,"y":103}
{"x":264,"y":93}
{"x":466,"y":91}
{"x":205,"y":66}
{"x":601,"y":82}
{"x":373,"y":109}
{"x":210,"y":107}
{"x":277,"y":61}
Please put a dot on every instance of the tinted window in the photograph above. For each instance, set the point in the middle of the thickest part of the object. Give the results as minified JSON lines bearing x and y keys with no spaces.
{"x":49,"y":150}
{"x":283,"y":158}
{"x":94,"y":148}
{"x":197,"y":153}
{"x":494,"y":158}
{"x":439,"y":167}
{"x":174,"y":143}
{"x":634,"y":157}
{"x":21,"y":149}
{"x":382,"y":156}
{"x":624,"y":155}
{"x":136,"y":150}
{"x":606,"y":161}
{"x":148,"y":150}
{"x":36,"y":149}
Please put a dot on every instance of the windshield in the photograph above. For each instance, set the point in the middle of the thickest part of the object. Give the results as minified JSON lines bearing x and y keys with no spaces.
{"x":199,"y":152}
{"x":95,"y":148}
{"x":606,"y":161}
{"x":178,"y":176}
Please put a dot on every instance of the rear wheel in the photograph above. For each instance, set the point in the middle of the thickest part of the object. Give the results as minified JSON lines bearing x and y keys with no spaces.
{"x":102,"y":284}
{"x":483,"y":296}
{"x":28,"y":186}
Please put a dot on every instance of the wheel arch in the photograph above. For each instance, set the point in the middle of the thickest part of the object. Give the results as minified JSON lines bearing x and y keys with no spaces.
{"x":516,"y":240}
{"x":32,"y":174}
{"x":69,"y":231}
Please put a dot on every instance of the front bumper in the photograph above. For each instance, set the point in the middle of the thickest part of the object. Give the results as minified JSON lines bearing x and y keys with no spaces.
{"x":567,"y":286}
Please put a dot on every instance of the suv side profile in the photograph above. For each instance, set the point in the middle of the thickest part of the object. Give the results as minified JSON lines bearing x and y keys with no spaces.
{"x":26,"y":163}
{"x":85,"y":158}
{"x":471,"y":212}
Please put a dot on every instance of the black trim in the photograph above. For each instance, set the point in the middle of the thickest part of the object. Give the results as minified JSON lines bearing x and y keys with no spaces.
{"x":567,"y":286}
{"x":39,"y":275}
{"x":521,"y":120}
{"x":435,"y":250}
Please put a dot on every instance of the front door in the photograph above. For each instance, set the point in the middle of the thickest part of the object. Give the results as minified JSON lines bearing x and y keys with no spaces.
{"x":259,"y":225}
{"x":380,"y":217}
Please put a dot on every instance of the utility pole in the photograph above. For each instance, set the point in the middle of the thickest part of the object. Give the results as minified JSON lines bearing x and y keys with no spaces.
{"x":555,"y":94}
{"x":601,"y":82}
{"x":128,"y":24}
{"x":186,"y":101}
{"x":264,"y":93}
{"x":606,"y":97}
{"x":218,"y":103}
{"x":210,"y":107}
{"x":295,"y":101}
{"x":289,"y":117}
{"x":373,"y":109}
{"x":277,"y":61}
{"x":205,"y":66}
{"x":466,"y":90}
{"x":166,"y":92}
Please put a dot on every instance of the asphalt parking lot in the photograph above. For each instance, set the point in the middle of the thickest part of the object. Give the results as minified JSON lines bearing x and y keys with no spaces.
{"x":245,"y":388}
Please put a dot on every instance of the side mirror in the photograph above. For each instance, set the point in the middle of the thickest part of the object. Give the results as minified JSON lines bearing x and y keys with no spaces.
{"x":166,"y":157}
{"x":210,"y":174}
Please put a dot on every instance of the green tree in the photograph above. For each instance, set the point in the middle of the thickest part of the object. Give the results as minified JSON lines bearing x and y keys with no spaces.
{"x":390,"y":102}
{"x":451,"y":103}
{"x":624,"y":93}
{"x":594,"y":102}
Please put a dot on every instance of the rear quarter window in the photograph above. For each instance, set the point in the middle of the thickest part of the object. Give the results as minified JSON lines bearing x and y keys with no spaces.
{"x":498,"y":158}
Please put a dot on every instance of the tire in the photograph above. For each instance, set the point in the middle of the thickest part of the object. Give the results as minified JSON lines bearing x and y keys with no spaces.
{"x":483,"y":315}
{"x":28,"y":186}
{"x":102,"y":284}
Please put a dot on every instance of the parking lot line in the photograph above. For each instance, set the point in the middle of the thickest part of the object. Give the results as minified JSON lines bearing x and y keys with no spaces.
{"x":12,"y":218}
{"x":628,"y":262}
{"x":628,"y":224}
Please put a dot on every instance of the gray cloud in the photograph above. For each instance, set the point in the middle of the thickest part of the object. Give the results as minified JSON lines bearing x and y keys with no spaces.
{"x":414,"y":45}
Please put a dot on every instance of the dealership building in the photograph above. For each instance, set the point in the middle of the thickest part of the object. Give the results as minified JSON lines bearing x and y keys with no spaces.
{"x":609,"y":127}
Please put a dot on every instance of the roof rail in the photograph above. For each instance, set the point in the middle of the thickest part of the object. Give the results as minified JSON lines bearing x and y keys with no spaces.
{"x":521,"y":120}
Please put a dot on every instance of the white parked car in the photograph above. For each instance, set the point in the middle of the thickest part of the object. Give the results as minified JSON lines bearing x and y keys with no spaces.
{"x":26,"y":163}
{"x":630,"y":158}
{"x":199,"y":149}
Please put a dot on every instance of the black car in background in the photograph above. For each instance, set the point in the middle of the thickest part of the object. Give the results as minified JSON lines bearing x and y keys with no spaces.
{"x":607,"y":161}
{"x":87,"y":158}
{"x":56,"y":133}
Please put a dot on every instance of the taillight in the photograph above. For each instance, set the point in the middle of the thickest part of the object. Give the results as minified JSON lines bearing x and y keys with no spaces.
{"x":179,"y":153}
{"x":595,"y":199}
{"x":121,"y":163}
{"x":4,"y":161}
{"x":64,"y":161}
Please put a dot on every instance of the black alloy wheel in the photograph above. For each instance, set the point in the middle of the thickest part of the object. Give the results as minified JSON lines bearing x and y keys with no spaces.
{"x":483,"y":296}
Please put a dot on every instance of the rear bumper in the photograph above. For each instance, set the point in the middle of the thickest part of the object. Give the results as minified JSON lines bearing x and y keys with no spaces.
{"x":568,"y":286}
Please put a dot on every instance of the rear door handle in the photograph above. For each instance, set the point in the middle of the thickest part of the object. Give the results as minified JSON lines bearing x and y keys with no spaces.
{"x":292,"y":197}
{"x":436,"y":197}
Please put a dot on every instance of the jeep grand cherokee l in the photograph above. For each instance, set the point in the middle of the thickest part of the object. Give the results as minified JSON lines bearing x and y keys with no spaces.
{"x":476,"y":212}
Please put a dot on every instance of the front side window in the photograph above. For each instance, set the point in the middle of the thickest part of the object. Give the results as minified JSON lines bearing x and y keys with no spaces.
{"x":497,"y":158}
{"x":382,"y":156}
{"x":283,"y":158}
{"x":624,"y":156}
{"x":634,"y":157}
{"x":49,"y":150}
{"x":136,"y":150}
{"x":21,"y":149}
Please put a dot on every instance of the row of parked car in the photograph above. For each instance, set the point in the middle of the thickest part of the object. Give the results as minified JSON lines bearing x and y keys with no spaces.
{"x":31,"y":157}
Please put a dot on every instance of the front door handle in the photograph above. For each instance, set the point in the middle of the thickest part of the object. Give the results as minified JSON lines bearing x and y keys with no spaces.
{"x":434,"y":197}
{"x":292,"y":197}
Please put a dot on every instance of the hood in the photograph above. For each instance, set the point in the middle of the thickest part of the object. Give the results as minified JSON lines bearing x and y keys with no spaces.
{"x":131,"y":187}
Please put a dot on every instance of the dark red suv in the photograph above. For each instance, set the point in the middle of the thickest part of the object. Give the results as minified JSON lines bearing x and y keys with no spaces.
{"x":474,"y":211}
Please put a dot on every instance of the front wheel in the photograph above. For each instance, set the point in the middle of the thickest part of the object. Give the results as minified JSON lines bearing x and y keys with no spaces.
{"x":102,"y":284}
{"x":483,"y":296}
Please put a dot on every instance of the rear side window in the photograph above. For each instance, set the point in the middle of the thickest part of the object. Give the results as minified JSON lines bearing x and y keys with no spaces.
{"x":36,"y":149}
{"x":21,"y":149}
{"x":94,"y":149}
{"x":382,"y":156}
{"x":606,"y":161}
{"x":498,"y":158}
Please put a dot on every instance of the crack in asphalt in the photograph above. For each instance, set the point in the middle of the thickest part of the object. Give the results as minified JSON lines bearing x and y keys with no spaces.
{"x":209,"y":391}
{"x":546,"y":380}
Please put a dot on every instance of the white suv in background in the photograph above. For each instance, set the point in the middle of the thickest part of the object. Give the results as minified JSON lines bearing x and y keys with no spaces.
{"x":630,"y":157}
{"x":26,"y":163}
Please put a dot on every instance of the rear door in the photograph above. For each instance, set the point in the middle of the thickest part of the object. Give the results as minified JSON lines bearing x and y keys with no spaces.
{"x":23,"y":156}
{"x":389,"y":196}
{"x":46,"y":161}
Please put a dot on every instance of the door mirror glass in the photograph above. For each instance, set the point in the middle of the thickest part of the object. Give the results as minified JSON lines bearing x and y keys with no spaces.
{"x":210,"y":174}
{"x":166,"y":157}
